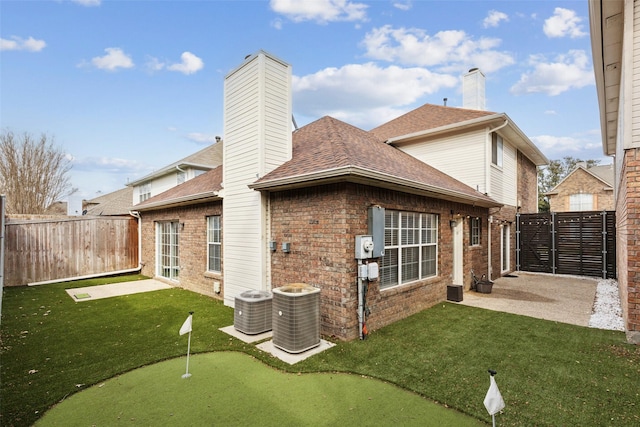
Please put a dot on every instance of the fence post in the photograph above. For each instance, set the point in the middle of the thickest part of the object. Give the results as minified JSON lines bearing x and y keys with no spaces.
{"x":553,"y":243}
{"x":604,"y":244}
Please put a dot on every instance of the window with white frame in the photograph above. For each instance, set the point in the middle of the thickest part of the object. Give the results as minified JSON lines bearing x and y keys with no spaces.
{"x":181,"y":177}
{"x":581,"y":202}
{"x":496,"y":149}
{"x":214,"y":244}
{"x":475,"y":228}
{"x":410,"y":248}
{"x":145,"y":191}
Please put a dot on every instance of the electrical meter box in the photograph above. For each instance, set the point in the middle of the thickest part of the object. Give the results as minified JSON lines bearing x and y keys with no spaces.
{"x":364,"y":247}
{"x":376,"y":230}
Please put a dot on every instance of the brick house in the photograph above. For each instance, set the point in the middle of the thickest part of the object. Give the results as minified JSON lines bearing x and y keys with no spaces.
{"x":615,"y":43}
{"x":583,"y":189}
{"x":286,"y":206}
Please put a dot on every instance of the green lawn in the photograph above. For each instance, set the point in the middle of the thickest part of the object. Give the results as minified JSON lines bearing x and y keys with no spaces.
{"x":549,"y":373}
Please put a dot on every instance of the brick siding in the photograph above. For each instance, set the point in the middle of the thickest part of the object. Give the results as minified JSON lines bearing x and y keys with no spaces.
{"x":321,"y":223}
{"x":628,"y":224}
{"x":192,"y":246}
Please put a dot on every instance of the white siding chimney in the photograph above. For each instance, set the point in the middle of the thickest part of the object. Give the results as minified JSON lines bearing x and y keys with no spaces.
{"x":257,"y":139}
{"x":473,"y":90}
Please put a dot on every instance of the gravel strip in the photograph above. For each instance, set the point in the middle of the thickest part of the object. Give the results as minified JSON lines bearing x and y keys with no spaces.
{"x":607,"y":312}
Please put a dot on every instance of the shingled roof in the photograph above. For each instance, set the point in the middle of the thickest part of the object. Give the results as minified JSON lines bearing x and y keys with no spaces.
{"x":329,"y":150}
{"x":429,"y":116}
{"x":115,"y":203}
{"x":203,"y":188}
{"x":207,"y":158}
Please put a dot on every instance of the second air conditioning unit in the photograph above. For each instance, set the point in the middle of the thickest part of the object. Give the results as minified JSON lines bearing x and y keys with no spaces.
{"x":296,"y":317}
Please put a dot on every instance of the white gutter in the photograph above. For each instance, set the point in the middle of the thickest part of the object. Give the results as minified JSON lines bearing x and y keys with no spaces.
{"x":136,"y":214}
{"x":357,"y":172}
{"x":191,"y":198}
{"x":457,"y":126}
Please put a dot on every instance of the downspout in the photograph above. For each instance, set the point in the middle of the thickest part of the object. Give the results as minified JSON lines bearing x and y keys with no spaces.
{"x":488,"y":174}
{"x":489,"y":272}
{"x":136,"y":214}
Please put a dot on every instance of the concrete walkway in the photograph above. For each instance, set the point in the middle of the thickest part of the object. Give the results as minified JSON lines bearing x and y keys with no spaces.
{"x":566,"y":299}
{"x":115,"y":289}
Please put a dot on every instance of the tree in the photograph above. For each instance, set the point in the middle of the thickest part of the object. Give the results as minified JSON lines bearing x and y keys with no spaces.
{"x":550,"y":176}
{"x":34,"y":173}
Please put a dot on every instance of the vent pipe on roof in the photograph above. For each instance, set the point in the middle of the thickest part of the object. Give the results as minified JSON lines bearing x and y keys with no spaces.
{"x":473,"y":92}
{"x":445,"y":101}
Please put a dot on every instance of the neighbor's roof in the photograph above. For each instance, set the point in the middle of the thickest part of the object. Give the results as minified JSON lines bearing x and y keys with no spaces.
{"x":329,"y":150}
{"x":602,"y":173}
{"x":430,"y":120}
{"x":207,"y":158}
{"x":118,"y":202}
{"x":203,"y":188}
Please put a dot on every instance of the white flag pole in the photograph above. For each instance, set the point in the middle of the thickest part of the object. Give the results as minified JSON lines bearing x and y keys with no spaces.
{"x":189,"y":320}
{"x":493,"y":400}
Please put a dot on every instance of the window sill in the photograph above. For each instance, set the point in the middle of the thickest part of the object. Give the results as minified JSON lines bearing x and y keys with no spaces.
{"x":396,"y":289}
{"x":212,"y":275}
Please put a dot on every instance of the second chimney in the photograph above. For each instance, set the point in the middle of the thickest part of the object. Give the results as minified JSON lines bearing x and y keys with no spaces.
{"x":473,"y":90}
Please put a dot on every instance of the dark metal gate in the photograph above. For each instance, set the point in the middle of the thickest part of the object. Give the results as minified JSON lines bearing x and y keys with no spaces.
{"x":578,"y":243}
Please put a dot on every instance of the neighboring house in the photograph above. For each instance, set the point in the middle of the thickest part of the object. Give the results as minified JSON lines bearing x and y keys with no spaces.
{"x":615,"y":41}
{"x":287,"y":206}
{"x":177,"y":173}
{"x":115,"y":203}
{"x":583,"y":190}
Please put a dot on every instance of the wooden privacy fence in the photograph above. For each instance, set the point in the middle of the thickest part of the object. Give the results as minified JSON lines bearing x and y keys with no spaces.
{"x":577,"y":243}
{"x":40,"y":250}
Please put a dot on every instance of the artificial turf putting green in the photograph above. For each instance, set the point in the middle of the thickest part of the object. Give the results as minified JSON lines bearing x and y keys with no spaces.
{"x":228,"y":388}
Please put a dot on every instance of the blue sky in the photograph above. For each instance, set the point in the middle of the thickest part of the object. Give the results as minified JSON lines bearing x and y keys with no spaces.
{"x":127,"y":87}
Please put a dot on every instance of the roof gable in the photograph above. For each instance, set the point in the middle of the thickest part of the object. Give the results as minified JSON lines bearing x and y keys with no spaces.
{"x":207,"y":186}
{"x":428,"y":116}
{"x":331,"y":149}
{"x":598,"y":174}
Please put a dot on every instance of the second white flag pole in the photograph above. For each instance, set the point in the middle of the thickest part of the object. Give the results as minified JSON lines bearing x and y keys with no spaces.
{"x":186,"y":328}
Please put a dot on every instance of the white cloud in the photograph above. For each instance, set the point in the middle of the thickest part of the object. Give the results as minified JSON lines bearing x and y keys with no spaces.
{"x":107,"y":164}
{"x":403,"y":4}
{"x":320,"y":11}
{"x":277,"y":23}
{"x":451,"y":51}
{"x":201,"y":138}
{"x":365,"y":94}
{"x":88,"y":3}
{"x":563,"y":23}
{"x":570,"y":71}
{"x":189,"y":65}
{"x":114,"y":59}
{"x":560,"y":146}
{"x":154,"y":64}
{"x":493,"y":19}
{"x":18,"y":43}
